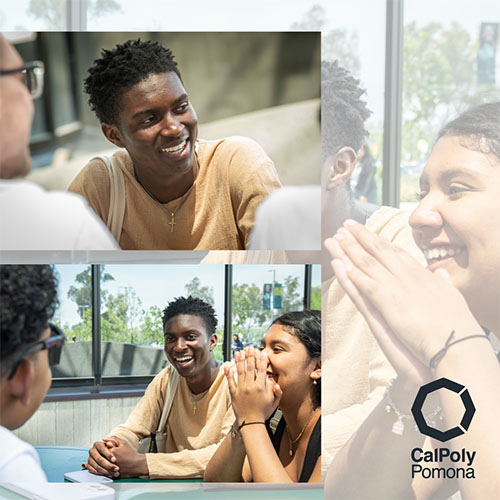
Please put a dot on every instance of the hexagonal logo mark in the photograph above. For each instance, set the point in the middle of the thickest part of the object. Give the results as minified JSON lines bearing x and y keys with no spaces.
{"x":424,"y":391}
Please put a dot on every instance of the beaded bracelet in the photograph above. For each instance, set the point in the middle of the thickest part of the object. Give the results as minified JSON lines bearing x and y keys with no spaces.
{"x":399,"y":427}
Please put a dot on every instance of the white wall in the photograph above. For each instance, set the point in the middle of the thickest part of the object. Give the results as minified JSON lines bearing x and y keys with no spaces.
{"x":75,"y":423}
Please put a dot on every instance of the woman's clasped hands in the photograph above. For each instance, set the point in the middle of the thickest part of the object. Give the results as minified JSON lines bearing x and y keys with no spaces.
{"x":255,"y":395}
{"x":411,"y":310}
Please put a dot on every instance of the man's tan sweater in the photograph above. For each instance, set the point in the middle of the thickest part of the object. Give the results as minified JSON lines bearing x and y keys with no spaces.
{"x":192,"y":435}
{"x":216,"y":213}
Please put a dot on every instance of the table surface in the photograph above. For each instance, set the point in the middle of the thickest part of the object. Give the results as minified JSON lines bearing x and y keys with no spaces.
{"x":201,"y":491}
{"x":57,"y":460}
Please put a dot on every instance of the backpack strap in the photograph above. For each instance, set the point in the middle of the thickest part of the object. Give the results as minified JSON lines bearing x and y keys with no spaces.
{"x":116,"y":212}
{"x":275,"y":420}
{"x":173,"y":383}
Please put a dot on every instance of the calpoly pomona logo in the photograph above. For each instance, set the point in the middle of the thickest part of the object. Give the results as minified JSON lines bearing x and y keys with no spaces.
{"x":439,"y":455}
{"x":461,"y":428}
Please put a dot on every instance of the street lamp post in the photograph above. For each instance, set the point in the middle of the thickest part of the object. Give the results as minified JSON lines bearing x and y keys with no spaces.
{"x":272,"y":293}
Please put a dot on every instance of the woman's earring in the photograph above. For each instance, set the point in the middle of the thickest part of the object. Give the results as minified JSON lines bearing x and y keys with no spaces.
{"x":315,"y":382}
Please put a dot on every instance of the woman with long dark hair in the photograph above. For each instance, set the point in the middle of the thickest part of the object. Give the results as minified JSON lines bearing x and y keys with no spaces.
{"x":267,"y":443}
{"x":432,"y":323}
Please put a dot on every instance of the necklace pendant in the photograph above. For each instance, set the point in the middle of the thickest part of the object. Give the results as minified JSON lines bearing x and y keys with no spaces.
{"x":291,"y":452}
{"x":171,"y":223}
{"x":194,"y":408}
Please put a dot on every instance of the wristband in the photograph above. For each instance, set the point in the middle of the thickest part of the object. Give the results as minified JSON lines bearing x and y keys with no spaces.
{"x":236,"y":431}
{"x":441,"y":353}
{"x":249,"y":423}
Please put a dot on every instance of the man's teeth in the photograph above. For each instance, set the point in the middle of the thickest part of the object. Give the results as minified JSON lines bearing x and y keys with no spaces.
{"x":440,"y":253}
{"x":184,"y":359}
{"x":175,"y":149}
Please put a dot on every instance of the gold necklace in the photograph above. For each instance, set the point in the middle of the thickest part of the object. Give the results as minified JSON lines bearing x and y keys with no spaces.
{"x":293,"y":441}
{"x":196,"y":399}
{"x":172,"y":212}
{"x":151,"y":195}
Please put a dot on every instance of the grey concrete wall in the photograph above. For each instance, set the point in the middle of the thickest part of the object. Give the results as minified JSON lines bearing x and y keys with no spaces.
{"x":117,"y":359}
{"x":225,"y":73}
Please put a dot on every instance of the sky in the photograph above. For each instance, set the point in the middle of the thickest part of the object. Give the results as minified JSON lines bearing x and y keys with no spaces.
{"x":158,"y":284}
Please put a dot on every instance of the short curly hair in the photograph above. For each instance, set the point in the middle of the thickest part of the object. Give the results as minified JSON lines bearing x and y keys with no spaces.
{"x":194,"y":306}
{"x":343,"y":112}
{"x":306,"y":326}
{"x":28,"y":299}
{"x":120,"y":69}
{"x":479,"y":127}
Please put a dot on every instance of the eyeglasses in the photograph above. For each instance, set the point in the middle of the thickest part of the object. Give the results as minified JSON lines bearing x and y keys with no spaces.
{"x":32,"y":77}
{"x":54,"y":344}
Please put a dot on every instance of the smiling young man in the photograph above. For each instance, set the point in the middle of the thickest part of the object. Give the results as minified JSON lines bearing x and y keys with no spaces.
{"x":181,"y":192}
{"x":29,"y":345}
{"x":201,"y":412}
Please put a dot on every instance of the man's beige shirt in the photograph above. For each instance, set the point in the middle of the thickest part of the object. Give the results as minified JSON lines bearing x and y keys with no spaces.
{"x":192,"y":437}
{"x":216,"y":213}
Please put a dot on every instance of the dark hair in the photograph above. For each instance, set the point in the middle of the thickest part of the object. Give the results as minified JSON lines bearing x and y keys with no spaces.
{"x":343,"y":113}
{"x":28,"y":299}
{"x":120,"y":69}
{"x":306,"y":326}
{"x":194,"y":306}
{"x":479,"y":127}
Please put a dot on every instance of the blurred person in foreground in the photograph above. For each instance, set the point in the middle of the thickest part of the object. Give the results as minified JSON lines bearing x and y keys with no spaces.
{"x":31,"y":218}
{"x":200,"y":414}
{"x":430,"y":323}
{"x":180,"y":192}
{"x":29,"y":346}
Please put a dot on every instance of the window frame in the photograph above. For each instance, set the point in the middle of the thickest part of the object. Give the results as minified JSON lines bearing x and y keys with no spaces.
{"x":98,"y":386}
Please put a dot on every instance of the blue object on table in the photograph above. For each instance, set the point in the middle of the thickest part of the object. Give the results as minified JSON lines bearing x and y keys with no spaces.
{"x":57,"y":460}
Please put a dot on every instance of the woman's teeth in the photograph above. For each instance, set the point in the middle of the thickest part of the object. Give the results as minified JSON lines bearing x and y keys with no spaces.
{"x":175,"y":149}
{"x":440,"y":253}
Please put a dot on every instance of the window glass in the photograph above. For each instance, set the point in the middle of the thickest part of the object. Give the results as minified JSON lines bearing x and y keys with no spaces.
{"x":132,"y":300}
{"x":216,"y":15}
{"x":261,"y":294}
{"x":450,"y":63}
{"x":74,"y":317}
{"x":354,"y":34}
{"x":32,"y":15}
{"x":316,"y":287}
